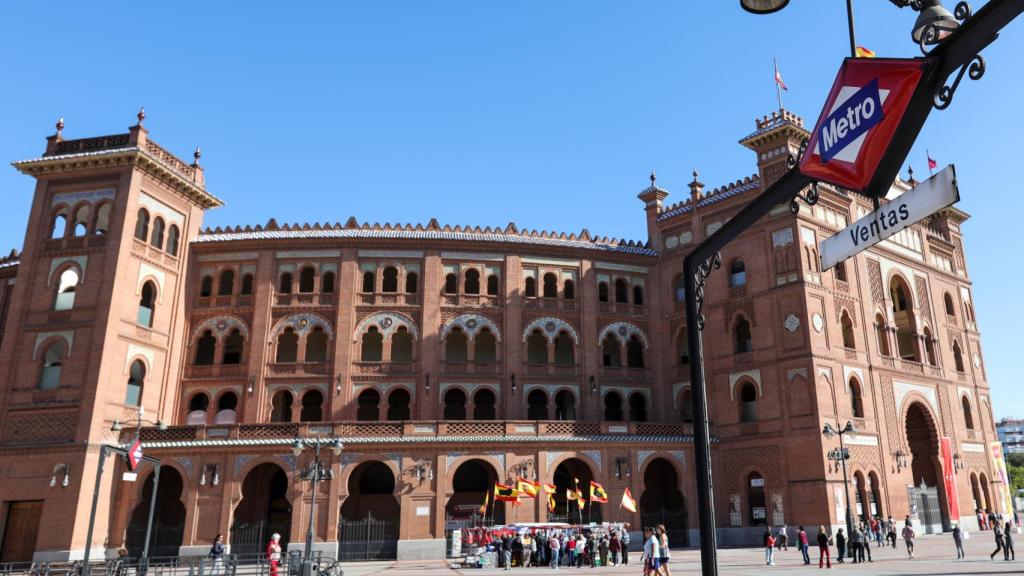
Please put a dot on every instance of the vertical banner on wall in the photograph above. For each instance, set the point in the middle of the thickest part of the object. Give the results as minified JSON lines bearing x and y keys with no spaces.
{"x":949,"y":478}
{"x":999,"y":464}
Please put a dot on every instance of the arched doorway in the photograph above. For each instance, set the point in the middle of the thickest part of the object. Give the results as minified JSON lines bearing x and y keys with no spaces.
{"x":168,"y":517}
{"x":264,"y":510}
{"x":925,"y":498}
{"x":472,"y":482}
{"x":565,"y":478}
{"x":662,"y":502}
{"x":368,"y":529}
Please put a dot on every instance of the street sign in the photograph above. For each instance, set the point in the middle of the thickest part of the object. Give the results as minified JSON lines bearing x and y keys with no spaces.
{"x":134,"y":454}
{"x":860,"y":118}
{"x":129,"y":476}
{"x":926,"y":199}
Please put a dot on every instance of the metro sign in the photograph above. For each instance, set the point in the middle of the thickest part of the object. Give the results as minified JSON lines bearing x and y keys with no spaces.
{"x":860,"y":118}
{"x":134,"y":454}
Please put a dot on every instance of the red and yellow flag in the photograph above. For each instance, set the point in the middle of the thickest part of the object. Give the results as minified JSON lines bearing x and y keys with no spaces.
{"x":863,"y":52}
{"x":628,"y":502}
{"x":580,"y":501}
{"x":503,"y":493}
{"x":550,"y":488}
{"x":487,"y":500}
{"x":528,"y":488}
{"x":597,"y":493}
{"x":571,"y":494}
{"x":551,"y":503}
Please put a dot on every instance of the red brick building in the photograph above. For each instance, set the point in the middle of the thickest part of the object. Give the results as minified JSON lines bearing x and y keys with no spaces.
{"x":449,"y":358}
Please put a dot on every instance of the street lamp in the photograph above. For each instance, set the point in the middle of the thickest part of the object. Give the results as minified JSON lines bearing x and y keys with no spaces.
{"x":60,"y":471}
{"x":315,"y":473}
{"x":842,"y":455}
{"x":763,"y":6}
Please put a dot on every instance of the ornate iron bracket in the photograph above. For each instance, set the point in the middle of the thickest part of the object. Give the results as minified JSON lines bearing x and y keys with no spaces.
{"x":792,"y":160}
{"x":974,"y":68}
{"x":810,"y":198}
{"x":700,"y":278}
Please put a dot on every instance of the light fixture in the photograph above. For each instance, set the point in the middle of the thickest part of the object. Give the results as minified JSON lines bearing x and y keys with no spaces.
{"x":337,"y":386}
{"x":622,"y":467}
{"x":525,"y":469}
{"x":60,"y":470}
{"x":513,"y":382}
{"x":337,"y":446}
{"x":297,"y":447}
{"x":934,"y":23}
{"x":763,"y":6}
{"x":252,"y":381}
{"x":958,"y":463}
{"x":161,"y":425}
{"x":422,"y":470}
{"x":428,"y":381}
{"x":593,"y":385}
{"x":214,"y":471}
{"x":116,"y":426}
{"x":900,"y":460}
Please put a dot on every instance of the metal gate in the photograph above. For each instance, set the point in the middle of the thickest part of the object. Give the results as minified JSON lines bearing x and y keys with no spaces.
{"x":164,"y":541}
{"x":249,"y":540}
{"x":452,"y":523}
{"x":367,"y":539}
{"x":924,"y":504}
{"x":675,"y":522}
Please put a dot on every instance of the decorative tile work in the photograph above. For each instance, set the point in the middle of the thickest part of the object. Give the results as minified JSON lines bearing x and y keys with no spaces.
{"x":623,"y":331}
{"x":551,"y":327}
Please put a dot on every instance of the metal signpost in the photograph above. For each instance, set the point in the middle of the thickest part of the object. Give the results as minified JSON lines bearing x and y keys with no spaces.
{"x":867,"y":151}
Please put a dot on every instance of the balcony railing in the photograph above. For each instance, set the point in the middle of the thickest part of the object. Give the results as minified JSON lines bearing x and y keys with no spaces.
{"x":382,"y":368}
{"x":387,"y":299}
{"x":305,"y":299}
{"x":216,"y":371}
{"x":470,"y":300}
{"x":300,"y":369}
{"x":559,"y":370}
{"x":457,"y":368}
{"x":542,"y":303}
{"x":625,"y":373}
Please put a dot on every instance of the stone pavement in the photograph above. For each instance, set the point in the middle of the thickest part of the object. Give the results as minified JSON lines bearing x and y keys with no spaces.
{"x":935,"y":557}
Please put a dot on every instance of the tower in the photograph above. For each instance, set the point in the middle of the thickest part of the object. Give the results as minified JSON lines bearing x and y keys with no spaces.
{"x":776,"y":137}
{"x":98,"y":310}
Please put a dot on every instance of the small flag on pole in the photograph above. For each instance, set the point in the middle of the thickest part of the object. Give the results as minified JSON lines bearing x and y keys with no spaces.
{"x":778,"y":78}
{"x":932,"y":164}
{"x":503,"y":493}
{"x":487,"y":500}
{"x":597,"y":493}
{"x":550,"y":488}
{"x":527,"y":488}
{"x":627,"y":501}
{"x":551,"y":503}
{"x":863,"y":52}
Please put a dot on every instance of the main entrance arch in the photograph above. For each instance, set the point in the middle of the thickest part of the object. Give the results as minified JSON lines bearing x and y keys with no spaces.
{"x":472,"y":482}
{"x":168,"y":517}
{"x":662,"y":502}
{"x":565,"y":478}
{"x":370,"y":515}
{"x":264,"y":510}
{"x":925,"y":497}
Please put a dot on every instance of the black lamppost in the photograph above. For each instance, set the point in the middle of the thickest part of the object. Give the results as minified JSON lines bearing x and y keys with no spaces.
{"x":314,"y":473}
{"x":842,"y":455}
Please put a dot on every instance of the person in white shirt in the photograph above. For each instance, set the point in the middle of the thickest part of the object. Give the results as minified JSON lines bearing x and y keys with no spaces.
{"x":652,"y":552}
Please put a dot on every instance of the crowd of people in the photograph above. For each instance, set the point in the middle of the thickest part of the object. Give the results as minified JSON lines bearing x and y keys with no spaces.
{"x":555,"y":547}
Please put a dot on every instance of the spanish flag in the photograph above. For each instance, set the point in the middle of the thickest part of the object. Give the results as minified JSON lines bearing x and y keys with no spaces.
{"x":571,"y":495}
{"x":487,"y":500}
{"x":550,"y":489}
{"x":597,"y":493}
{"x":863,"y":52}
{"x":581,"y":502}
{"x":503,"y":493}
{"x":627,"y":501}
{"x":527,"y":488}
{"x":551,"y":504}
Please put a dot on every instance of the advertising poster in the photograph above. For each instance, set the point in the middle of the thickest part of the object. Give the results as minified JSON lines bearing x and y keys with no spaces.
{"x":949,"y":478}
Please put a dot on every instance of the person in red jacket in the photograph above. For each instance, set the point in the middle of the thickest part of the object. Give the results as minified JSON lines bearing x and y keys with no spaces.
{"x":274,"y":553}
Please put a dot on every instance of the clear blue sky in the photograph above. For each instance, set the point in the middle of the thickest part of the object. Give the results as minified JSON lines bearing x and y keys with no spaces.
{"x":548,"y":114}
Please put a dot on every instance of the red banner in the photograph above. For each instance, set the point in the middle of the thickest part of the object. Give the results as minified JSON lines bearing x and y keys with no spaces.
{"x":949,"y":478}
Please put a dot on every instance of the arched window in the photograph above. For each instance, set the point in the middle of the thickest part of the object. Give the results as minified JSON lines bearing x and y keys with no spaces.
{"x":840,"y":271}
{"x":142,"y":225}
{"x":602,"y":291}
{"x":613,"y":407}
{"x":147,"y":305}
{"x":226,"y":284}
{"x":882,"y":335}
{"x":226,"y":406}
{"x":550,"y":285}
{"x":66,"y":288}
{"x":856,"y":398}
{"x":53,"y":363}
{"x":472,"y":281}
{"x":741,"y":331}
{"x":281,"y":407}
{"x":373,"y":346}
{"x":136,"y":381}
{"x":455,"y":346}
{"x":307,"y":279}
{"x":197,"y":407}
{"x":969,"y":311}
{"x":638,"y":295}
{"x":246,"y":285}
{"x":611,"y":352}
{"x":621,"y":291}
{"x":411,"y":282}
{"x":398,"y":405}
{"x":634,"y":352}
{"x":451,"y":284}
{"x":369,"y":282}
{"x":312,"y":406}
{"x":368,"y":406}
{"x":537,"y":405}
{"x":875,"y":494}
{"x":316,"y":345}
{"x":958,"y":357}
{"x":637,"y":407}
{"x":492,"y":285}
{"x":81,"y":227}
{"x":205,"y":347}
{"x":531,"y":287}
{"x":485,"y":347}
{"x":929,"y":346}
{"x":389,"y":280}
{"x":737,"y":273}
{"x":157,"y":239}
{"x":947,"y":298}
{"x":59,"y":227}
{"x":206,"y":287}
{"x":288,"y":345}
{"x":327,"y":283}
{"x":860,"y":510}
{"x":285,"y":284}
{"x":901,"y":307}
{"x":748,"y":403}
{"x":536,"y":348}
{"x":847,"y":324}
{"x":683,"y":348}
{"x":455,"y":405}
{"x":173,"y":237}
{"x":968,"y":417}
{"x":401,"y":345}
{"x":564,"y":349}
{"x":483,"y":405}
{"x":679,"y":289}
{"x":233,"y":345}
{"x":686,"y":405}
{"x":569,"y":290}
{"x":565,"y":405}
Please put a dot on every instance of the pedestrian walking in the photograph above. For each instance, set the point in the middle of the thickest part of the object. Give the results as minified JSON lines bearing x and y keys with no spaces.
{"x":274,"y":553}
{"x":865,"y":543}
{"x":768,"y":541}
{"x":625,"y":545}
{"x":840,"y":546}
{"x":529,"y":548}
{"x":908,"y":538}
{"x":855,"y":544}
{"x":666,"y":552}
{"x":824,"y":540}
{"x":603,"y":546}
{"x":614,"y":546}
{"x":782,"y":540}
{"x":652,"y":554}
{"x":997,"y":530}
{"x":958,"y":541}
{"x":1008,"y":543}
{"x":981,"y":521}
{"x":555,"y":546}
{"x":802,"y":540}
{"x":891,"y":533}
{"x":217,"y":555}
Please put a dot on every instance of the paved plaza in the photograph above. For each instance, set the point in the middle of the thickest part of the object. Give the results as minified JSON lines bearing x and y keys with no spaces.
{"x":935,"y":556}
